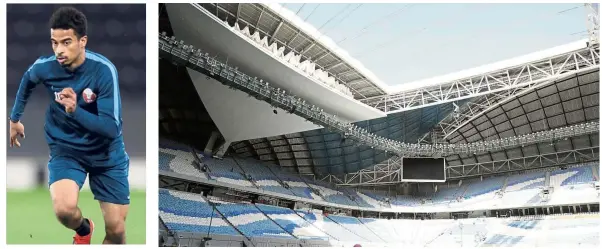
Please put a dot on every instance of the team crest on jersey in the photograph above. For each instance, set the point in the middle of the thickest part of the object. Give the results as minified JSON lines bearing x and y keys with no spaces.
{"x":89,"y":96}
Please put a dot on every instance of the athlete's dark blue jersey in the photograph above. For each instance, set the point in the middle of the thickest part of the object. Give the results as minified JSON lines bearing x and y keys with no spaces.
{"x":93,"y":132}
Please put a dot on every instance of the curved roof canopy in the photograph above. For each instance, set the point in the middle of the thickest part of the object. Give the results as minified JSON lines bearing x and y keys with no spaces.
{"x":564,"y":103}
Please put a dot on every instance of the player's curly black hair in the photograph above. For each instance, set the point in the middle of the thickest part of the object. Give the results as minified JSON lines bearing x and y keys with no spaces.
{"x":69,"y":18}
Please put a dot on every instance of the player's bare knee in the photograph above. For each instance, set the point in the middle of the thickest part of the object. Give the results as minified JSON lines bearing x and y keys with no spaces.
{"x":114,"y":216}
{"x":115,"y":225}
{"x":115,"y":232}
{"x":65,"y":213}
{"x":64,"y":202}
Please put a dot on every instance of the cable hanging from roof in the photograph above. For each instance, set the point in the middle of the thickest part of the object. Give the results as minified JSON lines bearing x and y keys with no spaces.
{"x":195,"y":59}
{"x":393,"y":41}
{"x":443,"y":20}
{"x":299,"y":10}
{"x":334,"y":16}
{"x":387,"y":17}
{"x":343,"y":19}
{"x":311,"y":13}
{"x":329,"y":20}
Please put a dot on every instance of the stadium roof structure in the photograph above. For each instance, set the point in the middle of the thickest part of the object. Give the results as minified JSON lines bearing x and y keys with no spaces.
{"x":284,"y":27}
{"x":322,"y":152}
{"x":224,"y":43}
{"x":571,"y":102}
{"x":325,"y":154}
{"x":547,"y":91}
{"x":526,"y":70}
{"x":568,"y":100}
{"x":550,"y":106}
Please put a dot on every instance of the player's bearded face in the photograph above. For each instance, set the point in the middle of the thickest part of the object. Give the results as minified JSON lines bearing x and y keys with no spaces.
{"x":67,"y":47}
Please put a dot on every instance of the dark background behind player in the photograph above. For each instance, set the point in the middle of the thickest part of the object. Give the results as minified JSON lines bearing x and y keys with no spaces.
{"x":117,"y":31}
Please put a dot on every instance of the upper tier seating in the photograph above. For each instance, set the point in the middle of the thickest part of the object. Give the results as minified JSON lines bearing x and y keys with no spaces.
{"x":488,"y":185}
{"x":262,"y":175}
{"x":572,"y":176}
{"x":525,"y":181}
{"x":178,"y":161}
{"x":226,"y":170}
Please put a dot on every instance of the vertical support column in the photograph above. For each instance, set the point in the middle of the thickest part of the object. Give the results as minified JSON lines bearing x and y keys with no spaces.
{"x":211,"y":142}
{"x":223,"y":148}
{"x":593,"y":22}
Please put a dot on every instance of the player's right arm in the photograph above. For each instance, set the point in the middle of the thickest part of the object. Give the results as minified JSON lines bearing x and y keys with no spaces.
{"x":28,"y":83}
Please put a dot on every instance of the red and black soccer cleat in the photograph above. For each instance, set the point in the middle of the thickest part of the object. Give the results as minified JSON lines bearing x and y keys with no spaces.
{"x":84,"y":240}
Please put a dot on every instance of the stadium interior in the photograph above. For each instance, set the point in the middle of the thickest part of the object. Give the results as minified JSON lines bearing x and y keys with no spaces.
{"x":521,"y":165}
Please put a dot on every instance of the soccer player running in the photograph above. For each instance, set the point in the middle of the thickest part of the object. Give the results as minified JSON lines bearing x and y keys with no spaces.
{"x":83,"y":128}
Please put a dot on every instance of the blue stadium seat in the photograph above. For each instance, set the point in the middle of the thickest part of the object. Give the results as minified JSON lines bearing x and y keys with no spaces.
{"x":251,"y":221}
{"x":181,"y":211}
{"x":293,"y":223}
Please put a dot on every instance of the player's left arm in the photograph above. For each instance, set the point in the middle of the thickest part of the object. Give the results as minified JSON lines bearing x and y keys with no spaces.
{"x":108,"y":122}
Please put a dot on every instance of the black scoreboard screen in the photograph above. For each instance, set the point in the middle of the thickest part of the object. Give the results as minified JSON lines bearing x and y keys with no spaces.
{"x":423,"y":169}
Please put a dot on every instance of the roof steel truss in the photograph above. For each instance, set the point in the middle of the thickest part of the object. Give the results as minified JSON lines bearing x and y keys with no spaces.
{"x":474,"y":109}
{"x":303,"y":44}
{"x":385,"y":173}
{"x":524,"y":163}
{"x":191,"y":57}
{"x":390,"y":172}
{"x":504,"y":80}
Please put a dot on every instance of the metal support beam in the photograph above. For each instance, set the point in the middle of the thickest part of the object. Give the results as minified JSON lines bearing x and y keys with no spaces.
{"x":380,"y":174}
{"x":300,"y":51}
{"x":237,"y":11}
{"x":260,"y":15}
{"x":567,"y":157}
{"x":271,"y":38}
{"x":529,"y":74}
{"x":336,"y":64}
{"x":182,"y":55}
{"x":345,"y":73}
{"x":480,"y":106}
{"x":227,"y":75}
{"x":390,"y":172}
{"x":321,"y":56}
{"x":307,"y":48}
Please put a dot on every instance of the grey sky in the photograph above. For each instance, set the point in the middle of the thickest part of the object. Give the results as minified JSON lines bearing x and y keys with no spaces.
{"x":407,"y":42}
